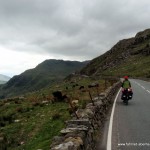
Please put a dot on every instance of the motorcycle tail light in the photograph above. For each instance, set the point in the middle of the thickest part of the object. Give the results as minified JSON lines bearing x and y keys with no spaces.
{"x":129,"y":89}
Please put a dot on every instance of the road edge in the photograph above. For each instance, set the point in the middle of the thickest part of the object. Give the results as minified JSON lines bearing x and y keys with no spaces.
{"x":111,"y":123}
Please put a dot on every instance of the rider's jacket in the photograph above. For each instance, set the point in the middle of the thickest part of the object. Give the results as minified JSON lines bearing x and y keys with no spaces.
{"x":126,"y":84}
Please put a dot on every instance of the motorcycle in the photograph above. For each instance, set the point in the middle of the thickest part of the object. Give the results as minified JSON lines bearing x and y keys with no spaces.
{"x":126,"y":95}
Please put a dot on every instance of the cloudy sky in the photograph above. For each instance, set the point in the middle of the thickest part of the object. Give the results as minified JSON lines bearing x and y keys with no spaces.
{"x":34,"y":30}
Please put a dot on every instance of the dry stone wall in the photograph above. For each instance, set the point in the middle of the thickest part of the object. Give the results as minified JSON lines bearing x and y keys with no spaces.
{"x":79,"y":134}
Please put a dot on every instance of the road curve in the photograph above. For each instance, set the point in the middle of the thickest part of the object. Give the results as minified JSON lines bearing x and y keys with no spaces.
{"x":131,"y":124}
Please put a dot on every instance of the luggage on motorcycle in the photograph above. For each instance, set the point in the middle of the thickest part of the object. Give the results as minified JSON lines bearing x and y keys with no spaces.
{"x":127,"y":94}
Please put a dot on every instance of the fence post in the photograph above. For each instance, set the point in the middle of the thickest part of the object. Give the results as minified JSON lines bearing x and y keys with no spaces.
{"x":97,"y":92}
{"x":91,"y":98}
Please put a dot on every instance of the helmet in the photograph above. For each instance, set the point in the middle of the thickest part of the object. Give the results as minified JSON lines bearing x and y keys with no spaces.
{"x":125,"y":77}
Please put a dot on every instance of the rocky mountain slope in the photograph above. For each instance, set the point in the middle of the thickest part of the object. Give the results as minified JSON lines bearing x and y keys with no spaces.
{"x":43,"y":75}
{"x":128,"y":57}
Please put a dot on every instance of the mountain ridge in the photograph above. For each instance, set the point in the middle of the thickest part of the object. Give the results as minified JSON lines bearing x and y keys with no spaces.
{"x":43,"y":75}
{"x":127,"y":57}
{"x":122,"y":53}
{"x":4,"y":77}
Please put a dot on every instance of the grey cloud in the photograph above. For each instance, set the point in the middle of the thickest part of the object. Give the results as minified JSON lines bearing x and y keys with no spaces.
{"x":70,"y":28}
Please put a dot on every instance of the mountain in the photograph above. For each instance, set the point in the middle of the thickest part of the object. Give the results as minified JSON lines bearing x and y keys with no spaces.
{"x":128,"y":57}
{"x":3,"y":79}
{"x":44,"y":74}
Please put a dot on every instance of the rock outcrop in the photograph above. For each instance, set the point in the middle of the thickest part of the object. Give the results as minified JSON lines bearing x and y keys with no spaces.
{"x":119,"y":53}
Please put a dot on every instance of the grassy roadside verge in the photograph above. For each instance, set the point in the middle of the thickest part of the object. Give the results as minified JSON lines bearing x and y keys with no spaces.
{"x":31,"y":124}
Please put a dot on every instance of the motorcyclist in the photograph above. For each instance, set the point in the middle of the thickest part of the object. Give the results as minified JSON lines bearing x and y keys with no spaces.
{"x":126,"y":85}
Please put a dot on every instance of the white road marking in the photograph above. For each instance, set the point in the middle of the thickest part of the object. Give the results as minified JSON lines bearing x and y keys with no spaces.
{"x":111,"y":123}
{"x":148,"y":91}
{"x":138,"y":83}
{"x":143,"y":87}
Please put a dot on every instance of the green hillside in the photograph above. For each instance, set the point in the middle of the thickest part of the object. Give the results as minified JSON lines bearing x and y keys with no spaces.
{"x":32,"y":121}
{"x":45,"y":74}
{"x":128,"y":57}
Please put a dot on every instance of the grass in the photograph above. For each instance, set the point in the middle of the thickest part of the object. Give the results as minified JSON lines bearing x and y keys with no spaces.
{"x":30,"y":124}
{"x":35,"y":128}
{"x":135,"y":66}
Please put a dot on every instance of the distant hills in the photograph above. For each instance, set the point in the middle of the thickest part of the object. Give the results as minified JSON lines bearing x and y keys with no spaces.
{"x":43,"y":75}
{"x":4,"y":79}
{"x":128,"y":57}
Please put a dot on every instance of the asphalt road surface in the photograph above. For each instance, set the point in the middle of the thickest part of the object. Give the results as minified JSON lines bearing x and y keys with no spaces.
{"x":129,"y":125}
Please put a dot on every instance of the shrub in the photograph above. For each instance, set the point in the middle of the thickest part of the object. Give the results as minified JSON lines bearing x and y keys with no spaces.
{"x":19,"y":109}
{"x":56,"y":116}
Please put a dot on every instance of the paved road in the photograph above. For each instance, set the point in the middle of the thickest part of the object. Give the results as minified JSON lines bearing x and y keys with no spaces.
{"x":131,"y":124}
